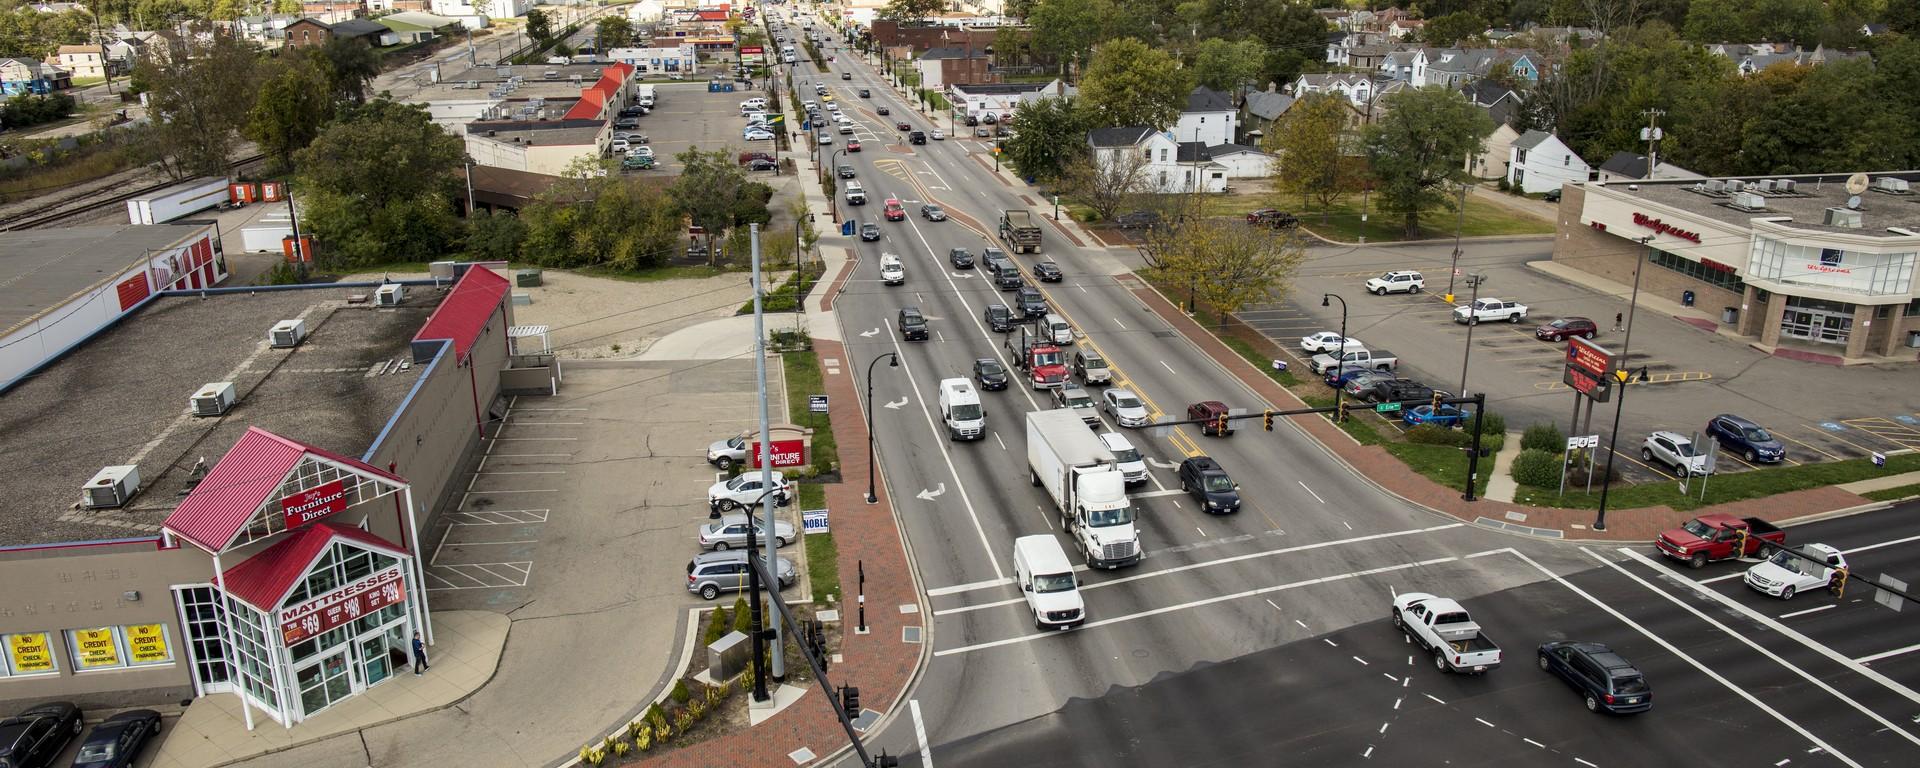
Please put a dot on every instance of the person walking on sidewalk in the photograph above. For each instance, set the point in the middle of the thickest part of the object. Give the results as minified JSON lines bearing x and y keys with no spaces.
{"x":419,"y":655}
{"x":1617,"y":318}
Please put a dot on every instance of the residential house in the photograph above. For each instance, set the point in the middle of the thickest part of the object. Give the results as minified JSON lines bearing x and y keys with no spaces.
{"x":1632,"y":166}
{"x":333,"y":11}
{"x":1873,"y":30}
{"x":1368,"y":58}
{"x":1262,"y":109}
{"x":1406,"y":30}
{"x":1209,"y":118}
{"x":1340,"y":46}
{"x":1497,"y":100}
{"x":974,"y":99}
{"x":1398,"y":65}
{"x":18,"y":76}
{"x":1355,"y":87}
{"x":270,"y":29}
{"x":1492,"y":160}
{"x":466,"y":10}
{"x":888,"y":33}
{"x":1242,"y":161}
{"x":952,"y":64}
{"x":1759,"y":58}
{"x":84,"y":61}
{"x":1539,"y":162}
{"x":1168,"y":166}
{"x":679,"y":58}
{"x":306,"y":33}
{"x":1453,"y":67}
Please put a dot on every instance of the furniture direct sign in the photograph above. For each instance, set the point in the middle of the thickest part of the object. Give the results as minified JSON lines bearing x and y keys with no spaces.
{"x":785,"y":453}
{"x":314,"y":503}
{"x":316,"y":616}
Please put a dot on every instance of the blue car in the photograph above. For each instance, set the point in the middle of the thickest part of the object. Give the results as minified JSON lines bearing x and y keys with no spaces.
{"x":1335,"y":377}
{"x":1746,"y":439}
{"x":1448,"y":416}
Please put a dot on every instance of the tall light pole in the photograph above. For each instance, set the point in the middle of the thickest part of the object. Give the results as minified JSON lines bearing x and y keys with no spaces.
{"x":1474,"y":282}
{"x":766,"y":443}
{"x":1456,"y":245}
{"x":1619,"y":403}
{"x":893,"y":361}
{"x":1339,"y":354}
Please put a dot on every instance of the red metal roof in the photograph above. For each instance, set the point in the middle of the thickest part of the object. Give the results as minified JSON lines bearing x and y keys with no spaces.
{"x":249,"y":473}
{"x":265,"y":579}
{"x":466,"y":310}
{"x":594,"y":100}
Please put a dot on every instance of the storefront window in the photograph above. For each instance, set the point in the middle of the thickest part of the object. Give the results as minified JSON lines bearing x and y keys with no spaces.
{"x":28,"y":654}
{"x":1875,"y":274}
{"x":132,"y":645}
{"x":251,"y":658}
{"x":1714,"y":277}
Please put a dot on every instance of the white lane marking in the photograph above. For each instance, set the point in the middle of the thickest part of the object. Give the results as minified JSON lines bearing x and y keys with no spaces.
{"x":1827,"y":607}
{"x":1153,"y":494}
{"x":1396,"y":702}
{"x":1676,"y":651}
{"x":978,"y":607}
{"x":1196,"y":604}
{"x":1907,"y":693}
{"x":1169,"y":368}
{"x":1203,"y":531}
{"x":1003,"y":443}
{"x":1723,"y":578}
{"x":941,"y":444}
{"x":1363,"y":662}
{"x":1585,"y":763}
{"x":1276,"y":606}
{"x":1116,"y":321}
{"x":1383,"y":727}
{"x":1870,"y":547}
{"x":1436,"y":699}
{"x":1888,"y":654}
{"x":959,"y":588}
{"x":1535,"y":743}
{"x":920,"y":732}
{"x":1485,"y":723}
{"x":1316,"y":497}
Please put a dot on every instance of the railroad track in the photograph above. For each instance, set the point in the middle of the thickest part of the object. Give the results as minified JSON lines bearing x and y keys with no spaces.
{"x":37,"y":220}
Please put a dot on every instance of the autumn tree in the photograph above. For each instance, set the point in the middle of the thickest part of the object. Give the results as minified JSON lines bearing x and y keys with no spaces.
{"x":201,"y":90}
{"x":612,"y":220}
{"x":1129,"y":83}
{"x":1415,"y":149}
{"x":1311,"y":145}
{"x":1230,"y":265}
{"x":1106,"y":182}
{"x":711,"y":191}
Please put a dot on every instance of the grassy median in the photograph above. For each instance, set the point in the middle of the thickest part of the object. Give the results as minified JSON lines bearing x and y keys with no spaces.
{"x":1735,"y":486}
{"x":823,"y":558}
{"x":803,"y":378}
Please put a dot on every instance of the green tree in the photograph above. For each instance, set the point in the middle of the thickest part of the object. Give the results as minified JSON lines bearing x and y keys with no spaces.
{"x":1230,"y":265}
{"x":613,"y":31}
{"x":293,"y":105}
{"x":28,"y":33}
{"x":710,"y":191}
{"x":614,"y":220}
{"x":912,"y":10}
{"x":1902,"y":16}
{"x":539,"y":24}
{"x":1226,"y":65}
{"x":1718,"y":21}
{"x":1067,"y":29}
{"x":1311,"y":143}
{"x":26,"y":109}
{"x":1453,"y":29}
{"x":1295,"y":37}
{"x":495,"y":236}
{"x":1052,"y":132}
{"x":201,"y":90}
{"x":379,"y":185}
{"x":350,"y":66}
{"x":1129,"y":83}
{"x":1416,"y":147}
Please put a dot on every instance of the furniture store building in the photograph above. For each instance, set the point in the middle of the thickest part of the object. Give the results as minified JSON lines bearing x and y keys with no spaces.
{"x":1798,"y":262}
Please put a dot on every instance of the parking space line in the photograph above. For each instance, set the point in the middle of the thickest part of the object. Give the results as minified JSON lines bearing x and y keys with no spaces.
{"x":529,"y":490}
{"x":1863,"y":448}
{"x":1888,"y":654}
{"x":499,"y":517}
{"x":1778,"y":433}
{"x":528,"y":472}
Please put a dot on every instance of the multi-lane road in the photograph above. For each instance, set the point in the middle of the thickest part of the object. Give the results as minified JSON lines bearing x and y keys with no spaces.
{"x":1247,"y":637}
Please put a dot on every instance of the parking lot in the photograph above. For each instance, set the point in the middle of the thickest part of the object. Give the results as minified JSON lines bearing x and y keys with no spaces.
{"x":687,"y":115}
{"x":1819,"y":412}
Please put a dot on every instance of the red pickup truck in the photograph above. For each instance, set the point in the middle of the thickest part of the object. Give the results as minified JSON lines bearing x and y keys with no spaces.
{"x":1718,"y":537}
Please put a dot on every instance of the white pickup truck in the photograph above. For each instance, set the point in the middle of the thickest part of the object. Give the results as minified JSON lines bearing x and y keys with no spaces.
{"x":1356,"y":360}
{"x":1443,"y":627}
{"x":1487,"y":310}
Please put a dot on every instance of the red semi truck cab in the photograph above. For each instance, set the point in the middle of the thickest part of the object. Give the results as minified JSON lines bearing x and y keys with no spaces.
{"x":1039,"y":358}
{"x":1719,"y":537}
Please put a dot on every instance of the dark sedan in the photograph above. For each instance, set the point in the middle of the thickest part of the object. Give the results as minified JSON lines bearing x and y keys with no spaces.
{"x":1047,"y":272}
{"x":960,"y":258}
{"x":869,"y":232}
{"x":1560,"y":329}
{"x":763,"y":165}
{"x":117,"y":741}
{"x":903,"y":125}
{"x":990,"y":374}
{"x":933,"y":212}
{"x":33,"y":738}
{"x":884,"y":111}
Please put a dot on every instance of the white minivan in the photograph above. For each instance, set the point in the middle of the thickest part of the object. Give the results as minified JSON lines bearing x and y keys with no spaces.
{"x":1047,"y":582}
{"x":1058,"y":329}
{"x":892,"y":272}
{"x":960,"y":409}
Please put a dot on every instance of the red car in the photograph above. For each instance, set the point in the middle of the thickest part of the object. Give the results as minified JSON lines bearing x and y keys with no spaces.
{"x":748,"y":157}
{"x":894,"y":211}
{"x":1210,"y":410}
{"x":903,"y":125}
{"x":853,"y":145}
{"x":1560,"y":329}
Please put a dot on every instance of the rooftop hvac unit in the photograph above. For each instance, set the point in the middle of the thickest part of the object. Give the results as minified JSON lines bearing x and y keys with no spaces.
{"x":1766,"y":186}
{"x":1890,"y":185}
{"x":111,"y":487}
{"x":390,"y":295}
{"x":287,"y":333}
{"x":1716,"y":186}
{"x":213,"y":399}
{"x":1749,"y":201}
{"x":1843,"y":217}
{"x":1786,"y":186}
{"x":1736,"y":186}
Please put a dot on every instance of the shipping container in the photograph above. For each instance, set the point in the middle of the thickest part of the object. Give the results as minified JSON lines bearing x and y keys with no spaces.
{"x":176,"y":201}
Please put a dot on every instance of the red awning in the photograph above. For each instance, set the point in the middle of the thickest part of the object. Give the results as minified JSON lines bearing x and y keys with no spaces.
{"x":266,"y":578}
{"x":466,"y":310}
{"x":248,"y":475}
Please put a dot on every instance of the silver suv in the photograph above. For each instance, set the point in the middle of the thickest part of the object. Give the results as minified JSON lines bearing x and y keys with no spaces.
{"x":1677,"y":452}
{"x":711,"y":573}
{"x":730,"y":531}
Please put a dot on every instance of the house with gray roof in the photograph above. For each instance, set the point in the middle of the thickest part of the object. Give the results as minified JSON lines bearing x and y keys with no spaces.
{"x":1261,"y":110}
{"x":1539,"y":162}
{"x":1165,"y":166}
{"x":1209,"y":118}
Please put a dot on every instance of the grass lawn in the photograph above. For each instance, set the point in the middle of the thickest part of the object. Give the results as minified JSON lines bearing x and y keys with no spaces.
{"x":823,"y":560}
{"x":674,"y":272}
{"x":803,"y":379}
{"x":1443,"y":464}
{"x":1342,"y":221}
{"x":1894,"y":494}
{"x":1736,"y":486}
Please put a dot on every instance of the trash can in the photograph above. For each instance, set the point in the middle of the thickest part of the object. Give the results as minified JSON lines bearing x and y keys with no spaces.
{"x":1686,"y":298}
{"x":1913,"y":339}
{"x":1729,"y":315}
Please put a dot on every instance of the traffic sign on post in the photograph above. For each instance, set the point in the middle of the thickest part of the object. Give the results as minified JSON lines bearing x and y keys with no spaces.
{"x":1386,"y":407}
{"x":817,"y":403}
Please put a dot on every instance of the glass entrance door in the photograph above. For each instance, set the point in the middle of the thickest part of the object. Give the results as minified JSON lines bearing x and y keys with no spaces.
{"x":326,"y":682}
{"x":1826,"y":322}
{"x":200,"y":617}
{"x":1797,"y":323}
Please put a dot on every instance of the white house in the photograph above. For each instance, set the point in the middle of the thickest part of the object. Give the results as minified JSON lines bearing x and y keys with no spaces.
{"x":1357,"y":87}
{"x":473,"y":19}
{"x":1170,"y":166}
{"x":1540,"y":162}
{"x":975,"y":99}
{"x":1491,"y":162}
{"x":1209,"y":118}
{"x":1242,"y":161}
{"x":645,"y":60}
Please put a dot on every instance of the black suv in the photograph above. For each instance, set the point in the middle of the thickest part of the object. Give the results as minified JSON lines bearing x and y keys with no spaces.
{"x":1605,"y":680}
{"x":866,"y":94}
{"x":996,"y":260}
{"x":869,"y":232}
{"x":1046,"y":272}
{"x":35,"y":737}
{"x":1000,"y":318}
{"x":1393,"y":390}
{"x":1032,"y":304}
{"x":913,"y":325}
{"x":846,"y":171}
{"x":917,"y":137}
{"x":961,"y":258}
{"x":1202,"y":478}
{"x":990,"y":373}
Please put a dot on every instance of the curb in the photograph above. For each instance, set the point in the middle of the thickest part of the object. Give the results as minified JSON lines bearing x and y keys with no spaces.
{"x":1428,"y":241}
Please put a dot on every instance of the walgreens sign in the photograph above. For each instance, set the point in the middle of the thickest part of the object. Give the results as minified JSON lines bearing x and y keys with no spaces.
{"x":1643,"y":220}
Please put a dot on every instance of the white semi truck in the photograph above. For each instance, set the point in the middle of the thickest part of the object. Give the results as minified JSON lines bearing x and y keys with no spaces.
{"x":1086,"y":485}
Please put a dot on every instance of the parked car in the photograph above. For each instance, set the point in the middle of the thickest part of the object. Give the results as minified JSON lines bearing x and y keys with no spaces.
{"x":1047,"y":272}
{"x":1605,"y":680}
{"x":1560,"y":329}
{"x":757,"y":135}
{"x":1747,"y":439}
{"x":1269,"y":216}
{"x":730,"y":531}
{"x":999,"y":318}
{"x":961,"y":258}
{"x":627,"y":123}
{"x":932,"y":212}
{"x":636,"y":163}
{"x":1552,"y":196}
{"x":711,"y":573}
{"x":1675,"y":451}
{"x":983,"y":132}
{"x":869,"y":232}
{"x":726,"y":453}
{"x":1211,"y":410}
{"x":750,"y":156}
{"x":1787,"y":573}
{"x":1488,"y":310}
{"x":117,"y":741}
{"x":1341,"y":378}
{"x":913,"y":325}
{"x":1328,"y":341}
{"x":1445,"y":415}
{"x":763,"y":165}
{"x":744,"y":490}
{"x":1362,"y":387}
{"x":36,"y":736}
{"x":1209,"y":485}
{"x":990,"y":373}
{"x":1397,"y":281}
{"x":1125,"y":407}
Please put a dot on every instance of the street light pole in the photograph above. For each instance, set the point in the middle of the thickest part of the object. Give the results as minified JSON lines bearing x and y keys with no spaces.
{"x":1474,"y":282}
{"x":893,"y":361}
{"x":1455,"y":270}
{"x":1339,"y":354}
{"x":1613,"y":442}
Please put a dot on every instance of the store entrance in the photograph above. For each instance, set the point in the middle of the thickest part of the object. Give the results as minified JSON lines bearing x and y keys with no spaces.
{"x":1814,"y":320}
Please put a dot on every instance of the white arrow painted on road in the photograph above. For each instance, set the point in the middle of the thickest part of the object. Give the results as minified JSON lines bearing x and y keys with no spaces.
{"x":965,"y":275}
{"x":1161,"y":464}
{"x":929,"y":495}
{"x":896,"y":406}
{"x":870,"y":334}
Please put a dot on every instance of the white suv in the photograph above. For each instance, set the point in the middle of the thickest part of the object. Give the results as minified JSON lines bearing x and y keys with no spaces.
{"x":1677,"y":452}
{"x":1402,"y":281}
{"x":744,"y":490}
{"x":891,"y":270}
{"x":1125,"y":456}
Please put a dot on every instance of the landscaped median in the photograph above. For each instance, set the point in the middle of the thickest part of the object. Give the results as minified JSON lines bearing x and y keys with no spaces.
{"x":1722,"y":488}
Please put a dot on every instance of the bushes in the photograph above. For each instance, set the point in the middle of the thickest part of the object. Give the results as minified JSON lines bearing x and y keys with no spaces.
{"x":1433,"y":434}
{"x":718,"y":625}
{"x":1544,"y":437}
{"x":1537,"y":468}
{"x":1491,"y":425}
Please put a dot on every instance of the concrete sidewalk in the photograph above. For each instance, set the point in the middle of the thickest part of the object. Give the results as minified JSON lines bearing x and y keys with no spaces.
{"x":1501,"y":486}
{"x":721,"y":339}
{"x":1881,"y":483}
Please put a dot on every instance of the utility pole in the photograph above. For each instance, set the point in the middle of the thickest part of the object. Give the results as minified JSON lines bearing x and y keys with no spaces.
{"x":1473,"y":281}
{"x":1456,"y":242}
{"x":778,"y":667}
{"x":1651,"y":135}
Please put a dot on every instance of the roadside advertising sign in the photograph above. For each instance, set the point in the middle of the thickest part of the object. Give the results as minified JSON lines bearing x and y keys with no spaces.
{"x":786,"y":453}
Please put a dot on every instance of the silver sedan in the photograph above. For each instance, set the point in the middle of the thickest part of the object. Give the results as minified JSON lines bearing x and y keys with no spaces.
{"x":730,"y":531}
{"x":1126,"y":409}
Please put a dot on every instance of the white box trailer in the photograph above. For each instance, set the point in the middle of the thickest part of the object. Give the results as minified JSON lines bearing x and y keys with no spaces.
{"x":1086,"y":485}
{"x":176,"y":201}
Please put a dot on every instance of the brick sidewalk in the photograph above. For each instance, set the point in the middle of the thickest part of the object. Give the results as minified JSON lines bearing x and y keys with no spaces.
{"x":1383,"y":469}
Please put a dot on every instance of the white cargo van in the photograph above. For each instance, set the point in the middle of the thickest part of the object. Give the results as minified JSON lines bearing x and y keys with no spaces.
{"x":892,"y":272}
{"x":1047,"y":582}
{"x":1058,"y":329}
{"x":961,"y":410}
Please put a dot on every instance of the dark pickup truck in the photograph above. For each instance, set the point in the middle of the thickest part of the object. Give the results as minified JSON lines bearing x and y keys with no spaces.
{"x":1720,"y":537}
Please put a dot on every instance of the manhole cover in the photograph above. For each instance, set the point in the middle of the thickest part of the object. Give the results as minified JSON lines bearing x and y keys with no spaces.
{"x":910,"y":635}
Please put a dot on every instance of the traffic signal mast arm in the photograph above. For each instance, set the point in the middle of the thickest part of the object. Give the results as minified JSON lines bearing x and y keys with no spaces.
{"x":1224,"y":420}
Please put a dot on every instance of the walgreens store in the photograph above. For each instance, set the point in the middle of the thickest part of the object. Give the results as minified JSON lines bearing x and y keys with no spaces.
{"x":1795,"y":263}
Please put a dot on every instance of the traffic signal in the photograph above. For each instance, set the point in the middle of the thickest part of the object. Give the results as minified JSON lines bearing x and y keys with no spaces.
{"x":1220,"y":424}
{"x":1839,"y":582}
{"x":850,"y":700}
{"x":1340,"y":411}
{"x":1269,"y":421}
{"x":884,"y":760}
